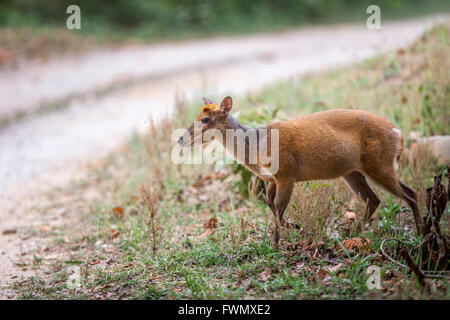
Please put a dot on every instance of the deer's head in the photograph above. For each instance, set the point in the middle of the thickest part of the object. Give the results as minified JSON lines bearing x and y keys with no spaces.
{"x":211,"y":116}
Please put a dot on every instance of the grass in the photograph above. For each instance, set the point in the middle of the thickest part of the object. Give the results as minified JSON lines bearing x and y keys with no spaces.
{"x":196,"y":258}
{"x":37,"y":29}
{"x":23,"y":43}
{"x":164,"y":19}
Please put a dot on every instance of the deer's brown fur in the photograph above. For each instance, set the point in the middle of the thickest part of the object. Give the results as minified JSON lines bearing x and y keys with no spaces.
{"x":351,"y":144}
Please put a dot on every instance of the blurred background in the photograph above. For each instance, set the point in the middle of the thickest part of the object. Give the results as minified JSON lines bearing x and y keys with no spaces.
{"x":163,"y":20}
{"x":178,"y":19}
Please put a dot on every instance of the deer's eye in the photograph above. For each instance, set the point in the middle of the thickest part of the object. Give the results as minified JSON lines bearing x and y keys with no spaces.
{"x":206,"y":120}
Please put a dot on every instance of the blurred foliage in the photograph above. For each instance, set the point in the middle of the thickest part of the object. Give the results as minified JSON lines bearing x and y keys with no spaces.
{"x":181,"y":18}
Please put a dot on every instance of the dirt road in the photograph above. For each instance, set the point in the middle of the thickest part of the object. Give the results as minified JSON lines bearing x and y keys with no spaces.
{"x":87,"y":105}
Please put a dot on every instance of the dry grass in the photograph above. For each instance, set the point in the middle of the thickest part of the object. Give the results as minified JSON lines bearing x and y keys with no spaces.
{"x":150,"y":199}
{"x":25,"y":43}
{"x":314,"y":204}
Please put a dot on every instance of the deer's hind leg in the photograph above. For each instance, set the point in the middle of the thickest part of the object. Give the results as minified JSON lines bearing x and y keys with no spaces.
{"x":389,"y":181}
{"x":359,"y":186}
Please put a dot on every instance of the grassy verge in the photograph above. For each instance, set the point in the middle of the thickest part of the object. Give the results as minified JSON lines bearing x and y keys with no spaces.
{"x":212,"y":241}
{"x":37,"y":29}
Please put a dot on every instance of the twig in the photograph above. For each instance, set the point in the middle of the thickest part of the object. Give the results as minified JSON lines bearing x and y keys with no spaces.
{"x":426,"y":274}
{"x":420,"y":276}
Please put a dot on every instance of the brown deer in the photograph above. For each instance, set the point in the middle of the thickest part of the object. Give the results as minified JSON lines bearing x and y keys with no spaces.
{"x":351,"y":144}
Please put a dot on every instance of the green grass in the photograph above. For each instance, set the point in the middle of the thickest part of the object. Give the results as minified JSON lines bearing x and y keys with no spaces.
{"x":235,"y":259}
{"x":162,"y":19}
{"x":37,"y":29}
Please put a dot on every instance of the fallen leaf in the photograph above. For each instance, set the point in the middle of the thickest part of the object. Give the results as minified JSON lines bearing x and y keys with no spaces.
{"x":403,"y":99}
{"x":211,"y":223}
{"x":114,"y":233}
{"x":204,"y":179}
{"x":266,"y":274}
{"x":350,"y":215}
{"x":334,"y":268}
{"x":356,"y":244}
{"x":321,"y":275}
{"x":306,"y":245}
{"x":117,"y":212}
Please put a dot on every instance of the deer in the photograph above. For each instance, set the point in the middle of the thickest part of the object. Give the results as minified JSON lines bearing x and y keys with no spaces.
{"x":354,"y":145}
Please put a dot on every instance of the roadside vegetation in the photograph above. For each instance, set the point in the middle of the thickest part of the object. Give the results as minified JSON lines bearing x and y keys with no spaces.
{"x":37,"y":28}
{"x":155,"y":230}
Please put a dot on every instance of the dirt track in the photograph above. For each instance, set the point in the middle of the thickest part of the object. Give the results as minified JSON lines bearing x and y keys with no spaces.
{"x":105,"y":95}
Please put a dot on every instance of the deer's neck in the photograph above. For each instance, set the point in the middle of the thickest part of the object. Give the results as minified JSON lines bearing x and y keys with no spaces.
{"x":235,"y":135}
{"x":233,"y":126}
{"x":232,"y":123}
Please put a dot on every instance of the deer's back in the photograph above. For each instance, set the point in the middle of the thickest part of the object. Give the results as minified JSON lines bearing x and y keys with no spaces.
{"x":333,"y":143}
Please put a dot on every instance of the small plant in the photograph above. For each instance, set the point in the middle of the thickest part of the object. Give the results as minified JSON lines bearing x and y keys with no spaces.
{"x":151,"y":203}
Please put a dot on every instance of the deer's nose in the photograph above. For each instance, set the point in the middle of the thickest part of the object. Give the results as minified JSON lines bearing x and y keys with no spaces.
{"x":181,"y":141}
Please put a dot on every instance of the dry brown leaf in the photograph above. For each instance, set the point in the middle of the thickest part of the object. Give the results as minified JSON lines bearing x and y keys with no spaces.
{"x":211,"y":223}
{"x":404,"y":99}
{"x":206,"y":178}
{"x":321,"y":275}
{"x":350,"y":215}
{"x":113,"y":233}
{"x":357,"y":244}
{"x":117,"y":212}
{"x":306,"y":245}
{"x":266,"y":274}
{"x":334,"y":268}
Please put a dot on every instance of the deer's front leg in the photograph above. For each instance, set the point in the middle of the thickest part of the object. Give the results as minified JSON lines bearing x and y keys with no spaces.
{"x":270,"y":195}
{"x":270,"y":200}
{"x":282,"y":198}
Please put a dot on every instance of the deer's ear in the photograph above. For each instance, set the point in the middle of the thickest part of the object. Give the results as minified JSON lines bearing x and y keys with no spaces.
{"x":205,"y":101}
{"x":226,"y":105}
